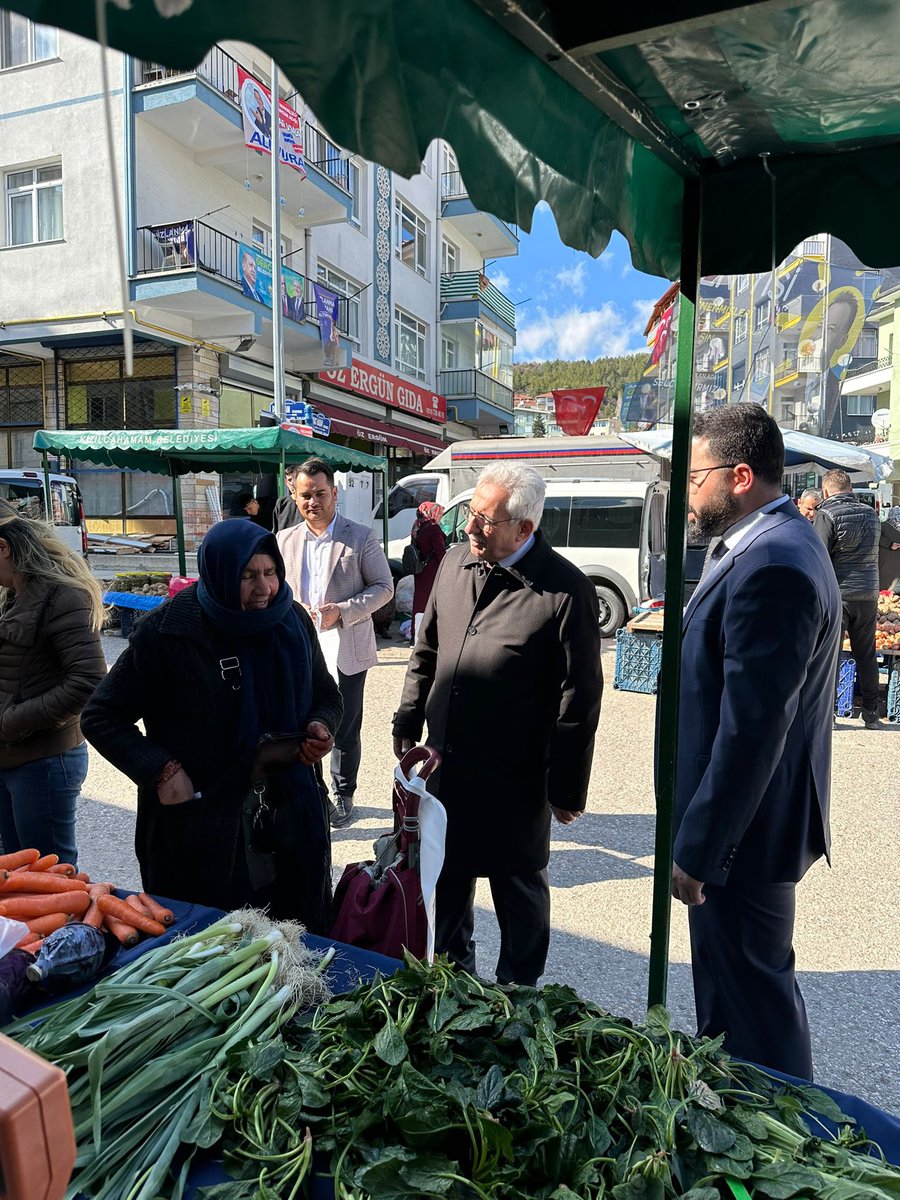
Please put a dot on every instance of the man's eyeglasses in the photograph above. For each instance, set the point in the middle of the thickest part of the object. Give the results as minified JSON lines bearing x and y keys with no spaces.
{"x":484,"y":523}
{"x":705,"y":472}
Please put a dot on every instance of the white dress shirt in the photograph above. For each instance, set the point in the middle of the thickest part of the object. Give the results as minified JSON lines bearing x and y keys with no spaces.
{"x":314,"y":576}
{"x":735,"y":535}
{"x":513,"y":558}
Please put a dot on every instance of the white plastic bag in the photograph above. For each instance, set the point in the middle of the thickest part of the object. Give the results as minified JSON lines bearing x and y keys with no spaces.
{"x":11,"y":933}
{"x":403,"y":595}
{"x":432,"y":838}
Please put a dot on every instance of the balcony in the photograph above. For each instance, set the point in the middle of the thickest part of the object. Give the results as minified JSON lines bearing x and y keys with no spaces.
{"x":470,"y":295}
{"x":192,"y":272}
{"x":478,"y":399}
{"x":491,"y":237}
{"x":870,"y":378}
{"x":200,"y":110}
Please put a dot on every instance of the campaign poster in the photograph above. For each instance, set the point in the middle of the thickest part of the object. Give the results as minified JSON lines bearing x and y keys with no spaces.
{"x":177,"y":240}
{"x":640,"y":403}
{"x":327,"y":313}
{"x":256,"y":274}
{"x":293,"y":300}
{"x":256,"y":114}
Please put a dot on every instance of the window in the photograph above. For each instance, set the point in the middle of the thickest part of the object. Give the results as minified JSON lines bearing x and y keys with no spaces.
{"x":355,"y":183}
{"x":344,"y":287}
{"x":762,"y":315}
{"x":555,"y":519}
{"x":261,"y":238}
{"x":867,"y":345}
{"x":34,"y":205}
{"x":23,"y":42}
{"x":451,"y":180}
{"x":612,"y":522}
{"x":740,"y":328}
{"x":761,"y":365}
{"x":409,"y":339}
{"x":449,"y":258}
{"x":410,"y":237}
{"x":860,"y":406}
{"x":741,"y":283}
{"x":100,"y":396}
{"x":449,"y":354}
{"x":21,"y":414}
{"x":787,"y":414}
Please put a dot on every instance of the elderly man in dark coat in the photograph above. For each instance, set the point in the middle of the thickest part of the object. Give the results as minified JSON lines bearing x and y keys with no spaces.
{"x":506,"y":672}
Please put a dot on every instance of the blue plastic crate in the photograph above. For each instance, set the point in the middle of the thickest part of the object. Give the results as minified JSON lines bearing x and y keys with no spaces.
{"x":638,"y":661}
{"x":843,"y":700}
{"x":893,"y":691}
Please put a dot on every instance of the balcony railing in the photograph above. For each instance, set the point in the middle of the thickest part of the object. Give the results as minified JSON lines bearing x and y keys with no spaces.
{"x":195,"y":246}
{"x":220,"y":70}
{"x":880,"y":364}
{"x":467,"y":382}
{"x":453,"y":188}
{"x":473,"y":285}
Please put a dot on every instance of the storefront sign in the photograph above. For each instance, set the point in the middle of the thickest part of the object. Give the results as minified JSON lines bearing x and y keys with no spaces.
{"x":388,"y":389}
{"x":256,"y":113}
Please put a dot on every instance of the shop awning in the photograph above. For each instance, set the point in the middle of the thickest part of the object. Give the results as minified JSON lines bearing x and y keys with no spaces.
{"x":182,"y":451}
{"x":349,"y":425}
{"x":602,"y":113}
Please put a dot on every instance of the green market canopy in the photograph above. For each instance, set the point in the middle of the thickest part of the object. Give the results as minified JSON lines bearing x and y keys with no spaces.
{"x":604,"y":111}
{"x":181,"y":451}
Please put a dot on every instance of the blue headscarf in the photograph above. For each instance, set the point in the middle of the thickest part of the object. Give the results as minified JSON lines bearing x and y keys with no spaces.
{"x":272,"y":645}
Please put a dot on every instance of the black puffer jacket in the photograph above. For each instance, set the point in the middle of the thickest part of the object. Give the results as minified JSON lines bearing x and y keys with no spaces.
{"x":851,"y":532}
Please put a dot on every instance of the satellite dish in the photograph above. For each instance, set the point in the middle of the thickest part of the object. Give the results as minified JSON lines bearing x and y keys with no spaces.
{"x":881,"y":419}
{"x":719,"y":394}
{"x":818,"y":285}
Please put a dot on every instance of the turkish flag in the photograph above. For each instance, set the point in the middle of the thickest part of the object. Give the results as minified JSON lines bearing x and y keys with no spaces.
{"x":577,"y":408}
{"x":662,"y":334}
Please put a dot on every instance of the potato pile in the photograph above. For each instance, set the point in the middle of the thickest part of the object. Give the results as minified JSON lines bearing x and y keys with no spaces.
{"x":887,"y":629}
{"x":153,"y":583}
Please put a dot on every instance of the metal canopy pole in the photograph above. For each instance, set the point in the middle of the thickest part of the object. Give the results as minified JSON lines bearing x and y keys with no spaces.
{"x":179,"y":519}
{"x":667,"y":715}
{"x":48,"y":499}
{"x":385,"y":536}
{"x":277,"y":312}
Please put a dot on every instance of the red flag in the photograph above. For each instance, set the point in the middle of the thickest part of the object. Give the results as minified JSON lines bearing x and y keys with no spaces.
{"x":577,"y":408}
{"x":662,"y":334}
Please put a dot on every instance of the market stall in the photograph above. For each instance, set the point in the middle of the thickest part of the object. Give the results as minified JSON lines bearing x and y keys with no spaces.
{"x":178,"y":452}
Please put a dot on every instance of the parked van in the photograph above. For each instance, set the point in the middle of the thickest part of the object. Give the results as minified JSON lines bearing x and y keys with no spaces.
{"x":603,"y":528}
{"x":24,"y":490}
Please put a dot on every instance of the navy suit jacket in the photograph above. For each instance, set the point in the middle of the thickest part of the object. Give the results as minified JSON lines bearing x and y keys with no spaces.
{"x":761,"y":638}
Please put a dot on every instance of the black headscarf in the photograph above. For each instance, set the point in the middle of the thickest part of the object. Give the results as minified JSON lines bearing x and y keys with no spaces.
{"x":272,"y":646}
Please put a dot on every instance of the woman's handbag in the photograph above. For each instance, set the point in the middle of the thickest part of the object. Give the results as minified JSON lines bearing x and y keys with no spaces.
{"x":380,"y":904}
{"x":274,"y":752}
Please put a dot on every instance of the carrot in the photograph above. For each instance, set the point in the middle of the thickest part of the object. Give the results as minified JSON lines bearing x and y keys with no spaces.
{"x":93,"y":916}
{"x":83,"y":876}
{"x":41,"y":926}
{"x":96,"y":890}
{"x":111,"y":906}
{"x":165,"y":916}
{"x":126,"y":934}
{"x":41,"y":881}
{"x":134,"y":902}
{"x":75,"y":903}
{"x":20,"y":858}
{"x":64,"y":869}
{"x":41,"y":864}
{"x":33,"y":947}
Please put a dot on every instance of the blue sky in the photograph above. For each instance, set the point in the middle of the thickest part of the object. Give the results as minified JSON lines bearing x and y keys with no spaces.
{"x":578,"y":306}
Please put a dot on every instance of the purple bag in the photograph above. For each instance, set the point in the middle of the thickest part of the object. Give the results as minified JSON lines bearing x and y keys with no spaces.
{"x":379,"y":904}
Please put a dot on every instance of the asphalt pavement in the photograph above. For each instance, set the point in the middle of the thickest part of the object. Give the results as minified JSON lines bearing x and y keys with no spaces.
{"x":601,"y":870}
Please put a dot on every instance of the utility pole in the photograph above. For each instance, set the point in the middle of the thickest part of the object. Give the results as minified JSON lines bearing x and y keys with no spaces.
{"x":277,"y":311}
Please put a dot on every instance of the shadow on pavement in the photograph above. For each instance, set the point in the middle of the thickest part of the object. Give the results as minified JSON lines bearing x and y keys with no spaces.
{"x":624,"y":833}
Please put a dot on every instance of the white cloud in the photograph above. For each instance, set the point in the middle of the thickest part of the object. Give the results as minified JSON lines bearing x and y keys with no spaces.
{"x":500,"y":280}
{"x":583,"y":333}
{"x":627,"y":268}
{"x":607,"y":260}
{"x":572,"y":279}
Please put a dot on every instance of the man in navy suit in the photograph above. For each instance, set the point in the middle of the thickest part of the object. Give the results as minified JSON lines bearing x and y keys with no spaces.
{"x":761,"y":637}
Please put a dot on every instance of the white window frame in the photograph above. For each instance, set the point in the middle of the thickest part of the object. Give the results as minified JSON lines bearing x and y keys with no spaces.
{"x":762,"y":314}
{"x":355,"y":168}
{"x":47,"y":32}
{"x":337,"y":282}
{"x":405,"y":214}
{"x":449,"y":354}
{"x":404,"y":320}
{"x":741,"y":328}
{"x":741,"y":284}
{"x":261,"y":239}
{"x":35,"y":187}
{"x":449,"y":251}
{"x":856,"y":407}
{"x":762,"y":364}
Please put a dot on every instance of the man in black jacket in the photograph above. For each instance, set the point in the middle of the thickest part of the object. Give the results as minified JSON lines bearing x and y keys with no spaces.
{"x":506,"y":673}
{"x":850,"y":531}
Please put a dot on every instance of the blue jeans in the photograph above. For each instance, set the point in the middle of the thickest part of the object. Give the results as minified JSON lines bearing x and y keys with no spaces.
{"x":37,"y":804}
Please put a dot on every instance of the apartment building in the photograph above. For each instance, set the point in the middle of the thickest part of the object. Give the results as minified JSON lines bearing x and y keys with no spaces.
{"x":421,"y":347}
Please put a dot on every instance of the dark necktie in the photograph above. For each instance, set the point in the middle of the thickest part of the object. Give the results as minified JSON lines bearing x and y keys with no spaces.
{"x":715,"y":551}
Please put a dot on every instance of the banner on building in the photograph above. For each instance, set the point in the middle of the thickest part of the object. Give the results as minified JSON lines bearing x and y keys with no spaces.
{"x":256,"y":113}
{"x":327,"y":313}
{"x":256,"y":283}
{"x":640,"y":403}
{"x":577,"y":408}
{"x":176,"y":242}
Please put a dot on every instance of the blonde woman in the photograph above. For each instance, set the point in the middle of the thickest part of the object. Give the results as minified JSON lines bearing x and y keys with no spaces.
{"x":51,"y":659}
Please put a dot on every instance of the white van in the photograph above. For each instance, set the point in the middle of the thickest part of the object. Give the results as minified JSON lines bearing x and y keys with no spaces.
{"x":603,"y":528}
{"x":24,"y":490}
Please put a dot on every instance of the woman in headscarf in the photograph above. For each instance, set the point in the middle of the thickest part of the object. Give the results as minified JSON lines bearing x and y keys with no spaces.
{"x":51,"y":659}
{"x":225,"y":662}
{"x":428,"y":538}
